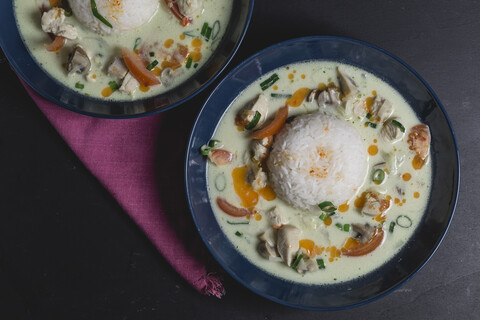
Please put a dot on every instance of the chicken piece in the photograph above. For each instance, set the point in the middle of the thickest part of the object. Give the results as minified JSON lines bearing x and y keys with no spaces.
{"x":307,"y":264}
{"x":257,"y":177}
{"x":393,"y":162}
{"x":189,"y":7}
{"x":364,"y":232}
{"x":258,"y":151}
{"x":375,"y":204}
{"x":391,"y":132}
{"x":156,"y":48}
{"x":269,"y":236}
{"x":353,"y":107}
{"x":277,"y":218}
{"x":129,"y":84}
{"x":419,"y":140}
{"x":288,"y":243}
{"x":348,"y":86}
{"x":117,"y":69}
{"x":247,"y":115}
{"x":53,"y":21}
{"x":78,"y":61}
{"x":381,"y":109}
{"x":167,"y":76}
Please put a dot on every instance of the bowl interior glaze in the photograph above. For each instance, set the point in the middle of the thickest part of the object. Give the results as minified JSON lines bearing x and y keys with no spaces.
{"x":445,"y":174}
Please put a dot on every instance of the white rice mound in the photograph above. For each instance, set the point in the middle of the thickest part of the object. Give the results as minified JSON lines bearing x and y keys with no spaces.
{"x":124,"y":15}
{"x":316,"y":158}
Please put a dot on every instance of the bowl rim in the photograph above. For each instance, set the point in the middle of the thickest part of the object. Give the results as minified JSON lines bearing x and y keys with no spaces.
{"x":319,"y":38}
{"x":8,"y":7}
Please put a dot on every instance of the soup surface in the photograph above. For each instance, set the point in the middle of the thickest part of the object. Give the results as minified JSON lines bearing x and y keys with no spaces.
{"x":284,"y":216}
{"x":168,"y":52}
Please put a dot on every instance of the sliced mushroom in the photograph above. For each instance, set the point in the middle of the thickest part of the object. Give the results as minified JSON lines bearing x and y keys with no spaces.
{"x":381,"y":109}
{"x":364,"y":232}
{"x":247,"y":115}
{"x":419,"y":140}
{"x":391,"y":132}
{"x":117,"y":69}
{"x":267,"y":251}
{"x":312,"y":95}
{"x":288,"y":243}
{"x":348,"y":86}
{"x":375,"y":204}
{"x":167,"y":77}
{"x":78,"y":61}
{"x":307,"y":264}
{"x":269,"y":236}
{"x":277,"y":217}
{"x":329,"y":97}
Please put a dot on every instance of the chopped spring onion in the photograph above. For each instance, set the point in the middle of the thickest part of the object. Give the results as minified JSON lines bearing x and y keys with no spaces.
{"x":399,"y":125}
{"x":137,"y":43}
{"x":113,"y":85}
{"x":220,"y":182}
{"x":372,"y":125}
{"x":323,"y":217}
{"x":98,"y":15}
{"x":215,"y":29}
{"x":321,"y":264}
{"x":238,"y":234}
{"x":189,"y":63}
{"x":208,"y":33}
{"x":404,"y":221}
{"x":327,"y":206}
{"x":346,"y":227}
{"x":280,"y":95}
{"x":68,"y":13}
{"x":152,"y":54}
{"x":297,"y":261}
{"x":339,"y":226}
{"x":392,"y":226}
{"x":79,"y":85}
{"x":204,"y":29}
{"x":269,"y":82}
{"x":205,"y":150}
{"x":254,"y":121}
{"x":235,"y":223}
{"x":195,"y":65}
{"x":378,"y":176}
{"x":152,"y":65}
{"x":369,"y":115}
{"x":213,"y":143}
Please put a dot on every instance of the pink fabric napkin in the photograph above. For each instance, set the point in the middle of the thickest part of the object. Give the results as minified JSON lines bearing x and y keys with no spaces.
{"x":140,"y":162}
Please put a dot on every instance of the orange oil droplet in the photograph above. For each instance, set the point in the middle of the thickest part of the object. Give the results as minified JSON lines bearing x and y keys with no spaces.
{"x":416,"y":195}
{"x":240,"y":128}
{"x":302,"y":76}
{"x":168,"y":43}
{"x":197,"y":43}
{"x":417,"y":162}
{"x":343,"y":207}
{"x":374,"y":93}
{"x":267,"y":193}
{"x":360,"y":201}
{"x":258,"y":217}
{"x":368,"y":103}
{"x":308,"y":245}
{"x":157,"y":71}
{"x":375,"y":140}
{"x":372,"y":150}
{"x":319,"y":250}
{"x":321,"y":86}
{"x":290,"y":76}
{"x":107,"y":92}
{"x":396,"y":200}
{"x":275,"y":87}
{"x":244,"y":190}
{"x":328,"y":221}
{"x":195,"y":55}
{"x":406,"y":176}
{"x":143,"y":88}
{"x":297,"y":97}
{"x":182,"y":36}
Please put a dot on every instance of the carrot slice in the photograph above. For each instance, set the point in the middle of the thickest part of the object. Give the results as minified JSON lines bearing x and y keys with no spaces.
{"x":366,"y":247}
{"x":56,"y":44}
{"x":136,"y":66}
{"x":173,"y":6}
{"x":231,"y":209}
{"x":274,"y":126}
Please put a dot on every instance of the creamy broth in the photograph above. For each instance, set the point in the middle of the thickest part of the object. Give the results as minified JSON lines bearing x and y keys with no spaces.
{"x":408,"y":188}
{"x":163,"y":28}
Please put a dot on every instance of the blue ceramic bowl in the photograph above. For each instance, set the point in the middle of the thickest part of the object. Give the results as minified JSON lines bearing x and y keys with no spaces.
{"x":444,"y":156}
{"x":28,"y":69}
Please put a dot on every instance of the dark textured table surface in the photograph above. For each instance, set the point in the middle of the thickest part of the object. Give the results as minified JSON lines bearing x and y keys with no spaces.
{"x":69,"y":251}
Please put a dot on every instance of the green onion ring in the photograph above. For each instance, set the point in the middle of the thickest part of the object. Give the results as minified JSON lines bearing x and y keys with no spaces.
{"x":98,"y":15}
{"x":327,"y":206}
{"x":321,"y":264}
{"x":404,"y":221}
{"x":399,"y":125}
{"x":297,"y":261}
{"x":254,"y":122}
{"x":378,"y":176}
